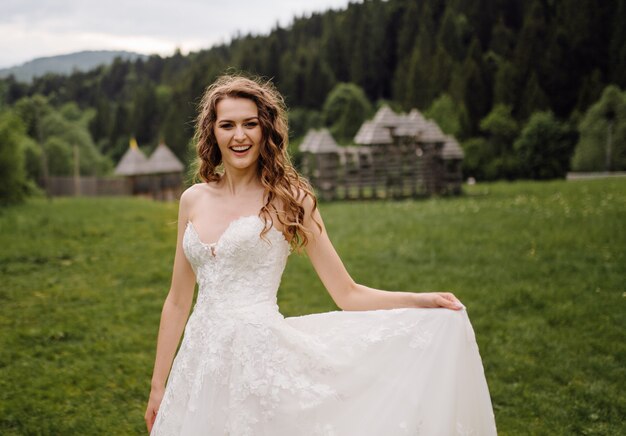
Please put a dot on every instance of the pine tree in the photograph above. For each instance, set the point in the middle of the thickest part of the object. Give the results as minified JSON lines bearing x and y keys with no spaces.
{"x":617,"y":47}
{"x":534,"y":98}
{"x":450,"y":35}
{"x":475,"y":94}
{"x":318,"y":80}
{"x":507,"y":87}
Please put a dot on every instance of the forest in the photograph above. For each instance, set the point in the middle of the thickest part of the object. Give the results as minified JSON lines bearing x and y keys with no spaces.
{"x":531,"y":89}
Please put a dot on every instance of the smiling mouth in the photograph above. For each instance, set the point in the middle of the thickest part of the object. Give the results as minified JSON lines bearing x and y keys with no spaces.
{"x":241,"y":148}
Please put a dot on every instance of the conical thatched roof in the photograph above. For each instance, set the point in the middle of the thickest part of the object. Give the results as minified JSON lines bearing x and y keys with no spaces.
{"x":451,"y":149}
{"x":132,"y":163}
{"x":319,"y":141}
{"x":162,"y":160}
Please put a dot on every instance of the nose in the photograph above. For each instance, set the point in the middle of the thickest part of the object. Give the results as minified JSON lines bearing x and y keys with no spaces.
{"x":239,"y":134}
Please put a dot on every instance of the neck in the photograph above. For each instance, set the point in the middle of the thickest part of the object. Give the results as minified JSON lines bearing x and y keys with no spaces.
{"x":236,"y":181}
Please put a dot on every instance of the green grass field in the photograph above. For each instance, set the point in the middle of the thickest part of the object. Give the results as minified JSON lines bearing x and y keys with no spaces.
{"x":541,"y":268}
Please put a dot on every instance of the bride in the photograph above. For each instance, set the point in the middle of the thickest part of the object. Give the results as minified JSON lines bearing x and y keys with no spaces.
{"x":388,"y":363}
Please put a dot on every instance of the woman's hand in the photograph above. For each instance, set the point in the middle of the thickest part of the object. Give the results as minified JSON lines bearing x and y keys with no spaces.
{"x":156,"y":395}
{"x":438,"y":299}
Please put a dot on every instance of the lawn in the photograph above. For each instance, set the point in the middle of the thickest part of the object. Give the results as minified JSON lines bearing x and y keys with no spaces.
{"x":541,"y":268}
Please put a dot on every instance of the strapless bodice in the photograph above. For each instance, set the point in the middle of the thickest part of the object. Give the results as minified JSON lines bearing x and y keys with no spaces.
{"x":242,"y":269}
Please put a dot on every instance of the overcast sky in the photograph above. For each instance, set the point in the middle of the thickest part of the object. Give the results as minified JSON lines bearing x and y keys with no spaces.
{"x":36,"y":28}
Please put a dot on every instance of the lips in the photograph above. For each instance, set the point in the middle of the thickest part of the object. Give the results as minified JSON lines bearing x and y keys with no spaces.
{"x":240,"y":149}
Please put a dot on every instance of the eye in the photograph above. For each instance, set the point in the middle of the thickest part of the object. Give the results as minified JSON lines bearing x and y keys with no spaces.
{"x":225,"y":126}
{"x":252,"y":124}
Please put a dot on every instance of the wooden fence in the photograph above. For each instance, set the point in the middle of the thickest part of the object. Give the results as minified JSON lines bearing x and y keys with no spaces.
{"x":59,"y":186}
{"x":167,"y":187}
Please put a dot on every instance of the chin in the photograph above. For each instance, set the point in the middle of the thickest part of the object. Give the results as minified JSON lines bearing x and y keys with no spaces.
{"x":242,"y":165}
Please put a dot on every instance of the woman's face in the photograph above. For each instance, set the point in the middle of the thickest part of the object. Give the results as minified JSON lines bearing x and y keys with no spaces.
{"x":238,"y":132}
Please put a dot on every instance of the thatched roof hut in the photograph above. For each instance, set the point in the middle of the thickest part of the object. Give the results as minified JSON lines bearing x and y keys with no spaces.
{"x":159,"y":176}
{"x":133,"y":162}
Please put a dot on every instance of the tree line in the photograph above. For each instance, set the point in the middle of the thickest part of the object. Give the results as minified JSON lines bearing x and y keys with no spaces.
{"x":482,"y":69}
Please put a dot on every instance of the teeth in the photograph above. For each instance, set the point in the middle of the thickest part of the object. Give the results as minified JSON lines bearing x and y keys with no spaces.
{"x":241,"y":147}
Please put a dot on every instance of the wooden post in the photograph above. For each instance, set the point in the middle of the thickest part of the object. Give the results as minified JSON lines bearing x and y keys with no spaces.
{"x":76,"y":171}
{"x":609,"y":143}
{"x":44,"y":156}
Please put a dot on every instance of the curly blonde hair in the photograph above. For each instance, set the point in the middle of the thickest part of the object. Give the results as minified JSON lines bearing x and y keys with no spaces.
{"x":281,"y":181}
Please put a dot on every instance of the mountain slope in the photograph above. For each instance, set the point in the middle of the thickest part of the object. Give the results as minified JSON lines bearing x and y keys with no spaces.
{"x":65,"y":64}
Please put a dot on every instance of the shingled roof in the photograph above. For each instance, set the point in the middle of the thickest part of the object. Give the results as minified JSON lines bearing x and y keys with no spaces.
{"x":162,"y":160}
{"x":431,"y":133}
{"x":372,"y":132}
{"x":386,"y":123}
{"x":319,"y":141}
{"x":387,"y":117}
{"x":451,"y":149}
{"x":411,"y":124}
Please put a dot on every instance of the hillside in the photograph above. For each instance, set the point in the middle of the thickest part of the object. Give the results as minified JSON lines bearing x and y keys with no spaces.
{"x":66,"y":64}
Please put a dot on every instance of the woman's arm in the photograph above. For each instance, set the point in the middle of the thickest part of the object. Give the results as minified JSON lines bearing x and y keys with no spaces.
{"x":349,"y":295}
{"x":173,"y":316}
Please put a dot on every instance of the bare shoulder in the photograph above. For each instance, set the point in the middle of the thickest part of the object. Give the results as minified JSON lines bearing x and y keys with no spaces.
{"x":192,"y":191}
{"x":192,"y":195}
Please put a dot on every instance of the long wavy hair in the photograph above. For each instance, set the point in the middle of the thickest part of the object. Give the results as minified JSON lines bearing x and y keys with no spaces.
{"x":282,"y":183}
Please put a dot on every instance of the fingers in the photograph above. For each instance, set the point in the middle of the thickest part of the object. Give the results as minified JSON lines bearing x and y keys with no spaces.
{"x":449,"y":301}
{"x":150,"y":417}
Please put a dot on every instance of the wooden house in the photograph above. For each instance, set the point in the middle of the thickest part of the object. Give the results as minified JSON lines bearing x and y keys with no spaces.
{"x":321,"y":160}
{"x":396,"y":155}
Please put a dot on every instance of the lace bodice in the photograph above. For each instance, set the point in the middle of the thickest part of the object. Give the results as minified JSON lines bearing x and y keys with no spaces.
{"x":240,"y":269}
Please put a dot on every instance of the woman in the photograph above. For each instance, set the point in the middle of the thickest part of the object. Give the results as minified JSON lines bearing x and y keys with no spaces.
{"x":384,"y":365}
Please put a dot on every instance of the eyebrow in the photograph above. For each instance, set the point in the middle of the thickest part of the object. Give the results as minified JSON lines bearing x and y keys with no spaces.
{"x":230,"y":121}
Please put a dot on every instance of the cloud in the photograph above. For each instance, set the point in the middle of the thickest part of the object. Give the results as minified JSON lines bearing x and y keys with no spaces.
{"x":30,"y":28}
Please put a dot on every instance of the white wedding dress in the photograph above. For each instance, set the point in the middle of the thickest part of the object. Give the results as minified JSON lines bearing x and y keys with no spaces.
{"x":245,"y":370}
